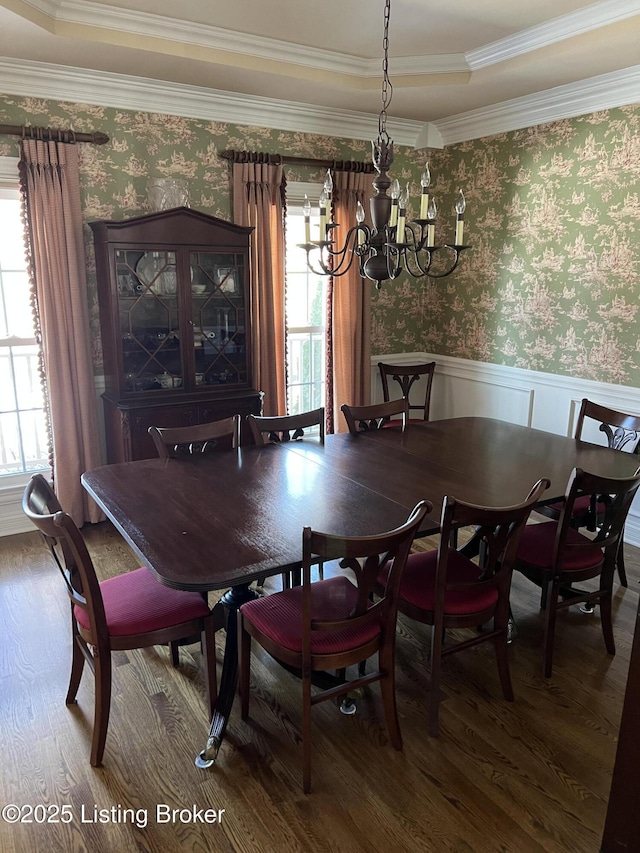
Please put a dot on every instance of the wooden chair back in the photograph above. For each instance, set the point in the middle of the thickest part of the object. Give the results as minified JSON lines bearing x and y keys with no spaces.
{"x":67,"y":546}
{"x":274,"y":430}
{"x":365,"y":556}
{"x":376,"y":416}
{"x":498,"y":530}
{"x":406,"y":375}
{"x":177,"y":442}
{"x":616,"y":496}
{"x":622,"y":431}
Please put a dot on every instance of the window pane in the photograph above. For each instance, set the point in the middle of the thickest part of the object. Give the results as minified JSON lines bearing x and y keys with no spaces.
{"x":10,"y":452}
{"x":28,"y":387}
{"x":17,"y":319}
{"x":23,"y":436}
{"x":296,"y":302}
{"x":12,"y":254}
{"x":7,"y":392}
{"x":34,"y":445}
{"x":305,"y":315}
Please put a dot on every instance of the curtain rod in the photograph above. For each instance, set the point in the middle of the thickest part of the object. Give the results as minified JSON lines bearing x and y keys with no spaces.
{"x":276,"y":159}
{"x":47,"y":134}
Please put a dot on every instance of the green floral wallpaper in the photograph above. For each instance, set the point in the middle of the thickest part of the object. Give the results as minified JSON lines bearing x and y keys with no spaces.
{"x":553,"y":214}
{"x":553,"y":281}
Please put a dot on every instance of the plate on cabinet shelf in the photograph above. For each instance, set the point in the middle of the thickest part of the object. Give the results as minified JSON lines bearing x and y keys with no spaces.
{"x":154,"y":270}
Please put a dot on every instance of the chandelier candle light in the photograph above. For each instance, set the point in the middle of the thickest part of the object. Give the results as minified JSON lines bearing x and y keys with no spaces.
{"x":393,"y":245}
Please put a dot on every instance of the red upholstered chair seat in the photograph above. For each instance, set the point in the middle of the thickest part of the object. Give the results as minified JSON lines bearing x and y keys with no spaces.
{"x":536,"y":548}
{"x":396,"y":422}
{"x":581,"y":507}
{"x":136,"y":603}
{"x":418,"y":584}
{"x":129,"y":611}
{"x":279,"y":617}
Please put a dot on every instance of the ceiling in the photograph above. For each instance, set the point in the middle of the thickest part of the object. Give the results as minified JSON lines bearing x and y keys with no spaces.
{"x":456,"y":66}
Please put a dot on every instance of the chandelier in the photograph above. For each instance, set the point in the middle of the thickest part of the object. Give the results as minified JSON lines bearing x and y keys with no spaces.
{"x":394,"y":244}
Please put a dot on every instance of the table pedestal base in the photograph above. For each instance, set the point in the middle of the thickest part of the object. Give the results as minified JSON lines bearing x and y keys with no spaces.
{"x":232,"y":600}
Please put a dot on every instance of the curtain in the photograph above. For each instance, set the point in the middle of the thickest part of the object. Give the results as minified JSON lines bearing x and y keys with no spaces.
{"x":50,"y":189}
{"x":349,"y":332}
{"x":258,"y":201}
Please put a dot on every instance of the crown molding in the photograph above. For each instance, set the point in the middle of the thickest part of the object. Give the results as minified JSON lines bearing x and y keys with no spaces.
{"x":158,"y":27}
{"x":607,"y":91}
{"x":564,"y":27}
{"x":63,"y":83}
{"x":84,"y":13}
{"x":42,"y":80}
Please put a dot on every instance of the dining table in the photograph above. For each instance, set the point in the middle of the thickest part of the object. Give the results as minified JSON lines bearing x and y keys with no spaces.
{"x":219,"y":521}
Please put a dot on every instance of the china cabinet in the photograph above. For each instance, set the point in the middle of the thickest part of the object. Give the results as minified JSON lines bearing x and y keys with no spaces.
{"x":174,"y":297}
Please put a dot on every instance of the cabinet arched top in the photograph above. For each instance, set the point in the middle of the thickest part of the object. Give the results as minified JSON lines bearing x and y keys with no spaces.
{"x":177,"y":226}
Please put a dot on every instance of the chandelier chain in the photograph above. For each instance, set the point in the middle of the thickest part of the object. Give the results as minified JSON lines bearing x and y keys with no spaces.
{"x":387,"y":88}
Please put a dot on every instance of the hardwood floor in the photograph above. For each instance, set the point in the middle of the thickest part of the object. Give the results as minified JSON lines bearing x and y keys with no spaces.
{"x":520,"y":778}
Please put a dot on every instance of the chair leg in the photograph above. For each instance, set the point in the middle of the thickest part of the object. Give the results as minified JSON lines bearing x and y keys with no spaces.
{"x":502,"y":659}
{"x":208,"y":647}
{"x":244,"y":666}
{"x":622,"y":573}
{"x":77,"y":667}
{"x":306,"y":733}
{"x":436,"y":663}
{"x":605,"y":611}
{"x":102,"y":707}
{"x":388,"y":691}
{"x":551,"y":592}
{"x":174,"y":651}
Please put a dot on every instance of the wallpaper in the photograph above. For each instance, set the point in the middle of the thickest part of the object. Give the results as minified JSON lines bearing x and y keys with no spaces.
{"x":553,"y":216}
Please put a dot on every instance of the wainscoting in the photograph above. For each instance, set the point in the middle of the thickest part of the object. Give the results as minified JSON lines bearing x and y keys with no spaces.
{"x":461,"y":388}
{"x":543,"y":401}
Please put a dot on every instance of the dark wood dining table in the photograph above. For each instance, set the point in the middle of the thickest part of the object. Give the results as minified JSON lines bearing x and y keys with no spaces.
{"x":222,"y":520}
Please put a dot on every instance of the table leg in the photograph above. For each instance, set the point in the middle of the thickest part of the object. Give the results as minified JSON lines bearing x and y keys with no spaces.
{"x":232,"y":600}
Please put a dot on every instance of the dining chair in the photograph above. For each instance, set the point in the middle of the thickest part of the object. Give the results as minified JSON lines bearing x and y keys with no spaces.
{"x":375,"y":416}
{"x":406,"y":375}
{"x":176,"y":442}
{"x":332,"y":624}
{"x":275,"y":430}
{"x":445,"y":589}
{"x":192,"y":440}
{"x":128,"y":611}
{"x":554,"y":555}
{"x":281,"y":429}
{"x":622,"y":432}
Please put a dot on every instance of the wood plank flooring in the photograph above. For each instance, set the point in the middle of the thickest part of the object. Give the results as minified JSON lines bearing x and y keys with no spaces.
{"x":525,"y":777}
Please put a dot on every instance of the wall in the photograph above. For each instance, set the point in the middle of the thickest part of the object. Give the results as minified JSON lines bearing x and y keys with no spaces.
{"x":553,"y":214}
{"x":114,"y":176}
{"x":553,"y":280}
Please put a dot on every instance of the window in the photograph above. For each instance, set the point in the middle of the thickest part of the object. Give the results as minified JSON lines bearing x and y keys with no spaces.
{"x":23,"y":434}
{"x":305,"y":315}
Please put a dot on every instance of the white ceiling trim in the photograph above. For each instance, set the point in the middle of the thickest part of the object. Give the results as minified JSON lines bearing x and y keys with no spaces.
{"x":606,"y":91}
{"x":149,"y":25}
{"x":129,"y":21}
{"x":564,"y":27}
{"x":63,"y":83}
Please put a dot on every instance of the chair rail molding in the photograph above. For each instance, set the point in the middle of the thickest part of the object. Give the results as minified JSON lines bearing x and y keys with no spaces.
{"x":546,"y":401}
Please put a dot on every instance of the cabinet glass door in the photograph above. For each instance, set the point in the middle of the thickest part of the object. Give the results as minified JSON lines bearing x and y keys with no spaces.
{"x":218,"y":313}
{"x":149,"y":324}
